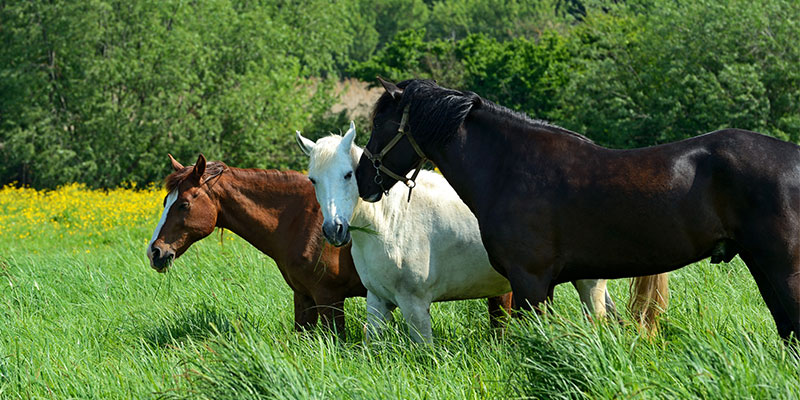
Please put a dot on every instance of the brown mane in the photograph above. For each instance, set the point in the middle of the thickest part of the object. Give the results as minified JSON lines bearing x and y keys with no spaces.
{"x":213,"y":169}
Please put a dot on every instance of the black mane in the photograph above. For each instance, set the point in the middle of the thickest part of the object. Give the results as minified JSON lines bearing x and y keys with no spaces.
{"x":436,"y":113}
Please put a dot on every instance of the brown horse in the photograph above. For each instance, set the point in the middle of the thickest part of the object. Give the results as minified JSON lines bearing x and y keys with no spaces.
{"x":275,"y":211}
{"x":553,"y":206}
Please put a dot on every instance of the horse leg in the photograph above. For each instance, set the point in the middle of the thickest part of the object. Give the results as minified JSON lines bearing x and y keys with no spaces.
{"x":417,"y":313}
{"x":331,"y":315}
{"x":611,"y":308}
{"x":337,"y":311}
{"x":379,"y":313}
{"x":499,"y":309}
{"x":593,"y":295}
{"x":780,"y":291}
{"x":530,"y":291}
{"x":305,"y":312}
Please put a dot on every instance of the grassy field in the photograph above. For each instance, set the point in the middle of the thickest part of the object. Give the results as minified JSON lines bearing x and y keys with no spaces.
{"x":84,"y":316}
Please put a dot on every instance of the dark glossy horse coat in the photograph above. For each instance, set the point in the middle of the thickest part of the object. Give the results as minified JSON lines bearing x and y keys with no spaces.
{"x":276,"y":212}
{"x":553,"y":207}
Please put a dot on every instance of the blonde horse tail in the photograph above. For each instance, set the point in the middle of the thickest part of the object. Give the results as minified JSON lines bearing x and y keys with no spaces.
{"x":649,"y":299}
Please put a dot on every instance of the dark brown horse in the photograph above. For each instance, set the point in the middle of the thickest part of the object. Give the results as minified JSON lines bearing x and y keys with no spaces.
{"x":275,"y":211}
{"x":553,"y":207}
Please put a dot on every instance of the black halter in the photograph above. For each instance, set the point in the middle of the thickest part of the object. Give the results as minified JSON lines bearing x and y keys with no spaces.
{"x":378,"y":164}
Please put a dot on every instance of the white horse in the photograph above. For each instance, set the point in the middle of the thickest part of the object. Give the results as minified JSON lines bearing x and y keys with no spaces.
{"x":413,"y":252}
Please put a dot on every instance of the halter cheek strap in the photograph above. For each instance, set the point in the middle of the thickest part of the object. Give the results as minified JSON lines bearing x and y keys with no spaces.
{"x":377,"y":159}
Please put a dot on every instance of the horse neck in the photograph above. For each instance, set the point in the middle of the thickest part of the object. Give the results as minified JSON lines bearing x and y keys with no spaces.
{"x":368,"y":214}
{"x":483,"y":146}
{"x":273,"y":210}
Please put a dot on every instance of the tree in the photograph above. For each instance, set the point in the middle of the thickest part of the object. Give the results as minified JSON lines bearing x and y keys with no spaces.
{"x":100,"y":91}
{"x":659,"y":71}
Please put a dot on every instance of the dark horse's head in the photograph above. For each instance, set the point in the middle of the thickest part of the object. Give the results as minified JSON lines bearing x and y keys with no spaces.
{"x":190,"y":212}
{"x":433,"y":114}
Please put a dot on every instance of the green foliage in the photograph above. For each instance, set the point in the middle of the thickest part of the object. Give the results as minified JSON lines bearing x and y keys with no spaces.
{"x":499,"y":19}
{"x":628,"y":75}
{"x":389,"y":17}
{"x":659,"y":71}
{"x":100,"y":91}
{"x":408,"y":55}
{"x":522,"y":74}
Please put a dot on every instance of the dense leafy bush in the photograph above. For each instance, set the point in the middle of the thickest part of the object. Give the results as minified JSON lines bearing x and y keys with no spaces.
{"x":628,"y":75}
{"x":661,"y":71}
{"x":99,"y":91}
{"x":522,"y":74}
{"x":500,"y":19}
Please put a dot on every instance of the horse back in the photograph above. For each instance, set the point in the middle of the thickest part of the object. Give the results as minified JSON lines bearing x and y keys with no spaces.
{"x":663,"y":206}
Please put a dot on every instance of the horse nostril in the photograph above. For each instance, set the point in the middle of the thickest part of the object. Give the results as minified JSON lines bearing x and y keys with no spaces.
{"x":156,"y":252}
{"x":339,"y":229}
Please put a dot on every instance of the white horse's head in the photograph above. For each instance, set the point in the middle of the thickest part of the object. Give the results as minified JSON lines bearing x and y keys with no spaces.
{"x":331,"y":169}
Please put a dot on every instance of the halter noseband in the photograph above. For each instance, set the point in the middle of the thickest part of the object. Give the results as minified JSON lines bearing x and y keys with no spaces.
{"x":377,"y":159}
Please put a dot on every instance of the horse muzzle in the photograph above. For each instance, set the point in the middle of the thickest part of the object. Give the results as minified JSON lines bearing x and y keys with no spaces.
{"x":160,"y":260}
{"x":373,"y":198}
{"x":336,"y":232}
{"x":366,"y":185}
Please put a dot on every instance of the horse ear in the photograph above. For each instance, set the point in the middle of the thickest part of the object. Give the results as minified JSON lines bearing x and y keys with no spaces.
{"x":200,"y":167}
{"x":175,"y":164}
{"x":305,"y":144}
{"x":349,"y":137}
{"x":391,"y":88}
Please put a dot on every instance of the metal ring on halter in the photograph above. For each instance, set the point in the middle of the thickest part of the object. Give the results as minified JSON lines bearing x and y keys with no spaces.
{"x":380,"y":169}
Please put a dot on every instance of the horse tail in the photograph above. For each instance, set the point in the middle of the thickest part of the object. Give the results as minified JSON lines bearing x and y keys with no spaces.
{"x":649,"y":299}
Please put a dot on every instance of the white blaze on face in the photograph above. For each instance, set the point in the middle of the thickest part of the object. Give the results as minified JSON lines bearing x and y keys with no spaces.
{"x":171,"y":198}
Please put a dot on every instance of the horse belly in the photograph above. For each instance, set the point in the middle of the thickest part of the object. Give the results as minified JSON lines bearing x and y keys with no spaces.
{"x":464,"y":272}
{"x":640,"y":245}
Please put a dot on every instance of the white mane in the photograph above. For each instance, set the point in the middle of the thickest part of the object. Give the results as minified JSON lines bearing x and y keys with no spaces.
{"x":326,"y":149}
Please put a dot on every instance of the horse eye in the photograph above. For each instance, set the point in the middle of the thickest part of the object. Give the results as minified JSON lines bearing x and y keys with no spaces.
{"x":348,"y":175}
{"x":313,"y":182}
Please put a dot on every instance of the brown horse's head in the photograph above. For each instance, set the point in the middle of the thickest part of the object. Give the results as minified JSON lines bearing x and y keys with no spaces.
{"x":190,"y":212}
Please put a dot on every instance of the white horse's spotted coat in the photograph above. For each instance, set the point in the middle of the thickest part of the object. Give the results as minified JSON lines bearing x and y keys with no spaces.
{"x":171,"y":198}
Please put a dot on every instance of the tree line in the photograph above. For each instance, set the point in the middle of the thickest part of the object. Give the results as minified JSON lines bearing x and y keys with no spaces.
{"x":98,"y":91}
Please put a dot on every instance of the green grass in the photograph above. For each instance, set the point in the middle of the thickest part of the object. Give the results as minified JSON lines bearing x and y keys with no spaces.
{"x":101,"y":324}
